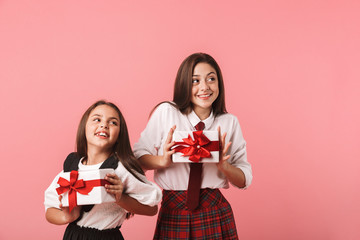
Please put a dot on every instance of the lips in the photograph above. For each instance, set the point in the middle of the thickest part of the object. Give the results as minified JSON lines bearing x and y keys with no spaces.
{"x":102,"y":134}
{"x":204,"y":96}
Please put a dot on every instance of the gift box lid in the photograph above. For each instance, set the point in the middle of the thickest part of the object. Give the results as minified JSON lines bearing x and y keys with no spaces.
{"x":197,"y":146}
{"x":92,"y":181}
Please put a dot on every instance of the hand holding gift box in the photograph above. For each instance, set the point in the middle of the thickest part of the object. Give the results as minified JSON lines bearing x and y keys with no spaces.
{"x":84,"y":188}
{"x":198,"y":146}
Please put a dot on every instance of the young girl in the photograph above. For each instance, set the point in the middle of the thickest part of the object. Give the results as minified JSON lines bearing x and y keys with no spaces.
{"x":103,"y":142}
{"x":198,"y":97}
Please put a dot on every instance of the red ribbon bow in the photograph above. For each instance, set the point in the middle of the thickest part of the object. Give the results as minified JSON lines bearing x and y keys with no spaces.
{"x":77,"y":185}
{"x":198,"y":148}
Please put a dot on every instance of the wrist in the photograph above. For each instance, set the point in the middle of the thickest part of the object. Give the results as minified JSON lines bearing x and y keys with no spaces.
{"x":224,"y":167}
{"x":122,"y":201}
{"x":164,"y":162}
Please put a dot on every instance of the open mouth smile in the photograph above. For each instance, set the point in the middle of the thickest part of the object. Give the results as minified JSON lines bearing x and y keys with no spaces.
{"x":102,"y":134}
{"x":204,"y":96}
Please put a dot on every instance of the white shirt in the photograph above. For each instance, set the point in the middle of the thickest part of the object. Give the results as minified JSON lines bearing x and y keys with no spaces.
{"x":109,"y":215}
{"x":176,"y":176}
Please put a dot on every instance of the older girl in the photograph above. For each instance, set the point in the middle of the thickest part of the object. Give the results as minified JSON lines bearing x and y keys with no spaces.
{"x":198,"y":103}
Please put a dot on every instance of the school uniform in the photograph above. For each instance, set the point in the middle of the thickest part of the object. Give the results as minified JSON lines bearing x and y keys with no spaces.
{"x":103,"y":221}
{"x":213,"y":219}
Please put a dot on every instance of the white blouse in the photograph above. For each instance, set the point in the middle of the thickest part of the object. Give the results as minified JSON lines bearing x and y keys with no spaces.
{"x":176,"y":176}
{"x":110,"y":215}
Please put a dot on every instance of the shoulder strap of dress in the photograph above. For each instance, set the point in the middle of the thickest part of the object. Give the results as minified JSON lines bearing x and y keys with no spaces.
{"x":71,"y":162}
{"x":111,"y":162}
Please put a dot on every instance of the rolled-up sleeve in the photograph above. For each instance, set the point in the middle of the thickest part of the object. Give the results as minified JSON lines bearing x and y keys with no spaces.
{"x":155,"y":133}
{"x":238,"y":152}
{"x":146,"y":192}
{"x":150,"y":138}
{"x":51,"y":196}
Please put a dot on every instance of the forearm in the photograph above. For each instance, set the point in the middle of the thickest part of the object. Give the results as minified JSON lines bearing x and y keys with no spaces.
{"x":58,"y":216}
{"x":133,"y":206}
{"x":235,"y":175}
{"x":151,"y":162}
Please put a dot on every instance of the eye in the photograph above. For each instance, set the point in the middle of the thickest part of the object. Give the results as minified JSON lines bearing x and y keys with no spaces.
{"x":115,"y":123}
{"x":211,"y":79}
{"x":96,"y":120}
{"x":195,"y":81}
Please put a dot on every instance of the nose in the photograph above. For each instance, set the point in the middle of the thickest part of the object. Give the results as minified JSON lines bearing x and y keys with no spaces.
{"x":204,"y":85}
{"x":104,"y":125}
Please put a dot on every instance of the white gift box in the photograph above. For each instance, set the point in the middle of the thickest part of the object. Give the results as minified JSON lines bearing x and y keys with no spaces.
{"x":97,"y":195}
{"x":213,"y":136}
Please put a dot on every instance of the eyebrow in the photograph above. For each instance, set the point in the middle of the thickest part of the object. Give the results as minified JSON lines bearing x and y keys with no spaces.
{"x":206,"y":74}
{"x":114,"y":118}
{"x":99,"y":115}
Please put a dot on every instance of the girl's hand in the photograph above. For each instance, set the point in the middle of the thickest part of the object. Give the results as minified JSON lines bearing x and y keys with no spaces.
{"x":166,"y":159}
{"x":233,"y":174}
{"x":116,"y":187}
{"x":223,"y":163}
{"x":67,"y":215}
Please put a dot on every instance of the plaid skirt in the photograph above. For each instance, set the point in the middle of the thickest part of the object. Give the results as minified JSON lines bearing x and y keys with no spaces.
{"x":213,"y":219}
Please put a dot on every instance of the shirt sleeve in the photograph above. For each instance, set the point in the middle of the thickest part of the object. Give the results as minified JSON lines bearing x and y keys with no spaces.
{"x":51,"y":196}
{"x":238,"y":152}
{"x":153,"y":134}
{"x":146,"y":192}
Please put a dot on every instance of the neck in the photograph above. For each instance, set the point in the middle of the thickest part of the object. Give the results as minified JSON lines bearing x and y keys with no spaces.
{"x":94,"y":156}
{"x":202,"y":113}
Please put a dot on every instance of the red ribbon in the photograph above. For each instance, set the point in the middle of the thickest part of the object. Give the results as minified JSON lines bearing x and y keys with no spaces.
{"x":77,"y":185}
{"x":198,"y":148}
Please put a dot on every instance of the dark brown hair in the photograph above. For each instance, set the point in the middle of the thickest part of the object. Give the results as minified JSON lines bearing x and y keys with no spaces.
{"x":121,"y":149}
{"x":183,"y":84}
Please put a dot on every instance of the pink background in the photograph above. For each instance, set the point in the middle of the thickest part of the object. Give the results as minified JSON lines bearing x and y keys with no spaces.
{"x":291,"y":71}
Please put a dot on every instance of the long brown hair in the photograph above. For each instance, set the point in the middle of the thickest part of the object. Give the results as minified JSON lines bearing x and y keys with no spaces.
{"x":183,"y":85}
{"x":121,"y":149}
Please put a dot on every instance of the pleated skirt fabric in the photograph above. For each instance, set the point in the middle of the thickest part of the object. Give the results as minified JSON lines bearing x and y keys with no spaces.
{"x":213,"y":219}
{"x":75,"y":232}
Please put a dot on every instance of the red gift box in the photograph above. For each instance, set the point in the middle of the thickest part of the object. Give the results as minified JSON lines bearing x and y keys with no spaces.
{"x":84,"y":188}
{"x":198,"y":146}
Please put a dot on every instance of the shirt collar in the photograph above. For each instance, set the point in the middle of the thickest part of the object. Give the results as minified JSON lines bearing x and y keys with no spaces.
{"x":194,"y":120}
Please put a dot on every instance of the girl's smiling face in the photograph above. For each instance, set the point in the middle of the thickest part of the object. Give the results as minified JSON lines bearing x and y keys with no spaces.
{"x":102,"y":128}
{"x":205,"y":89}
